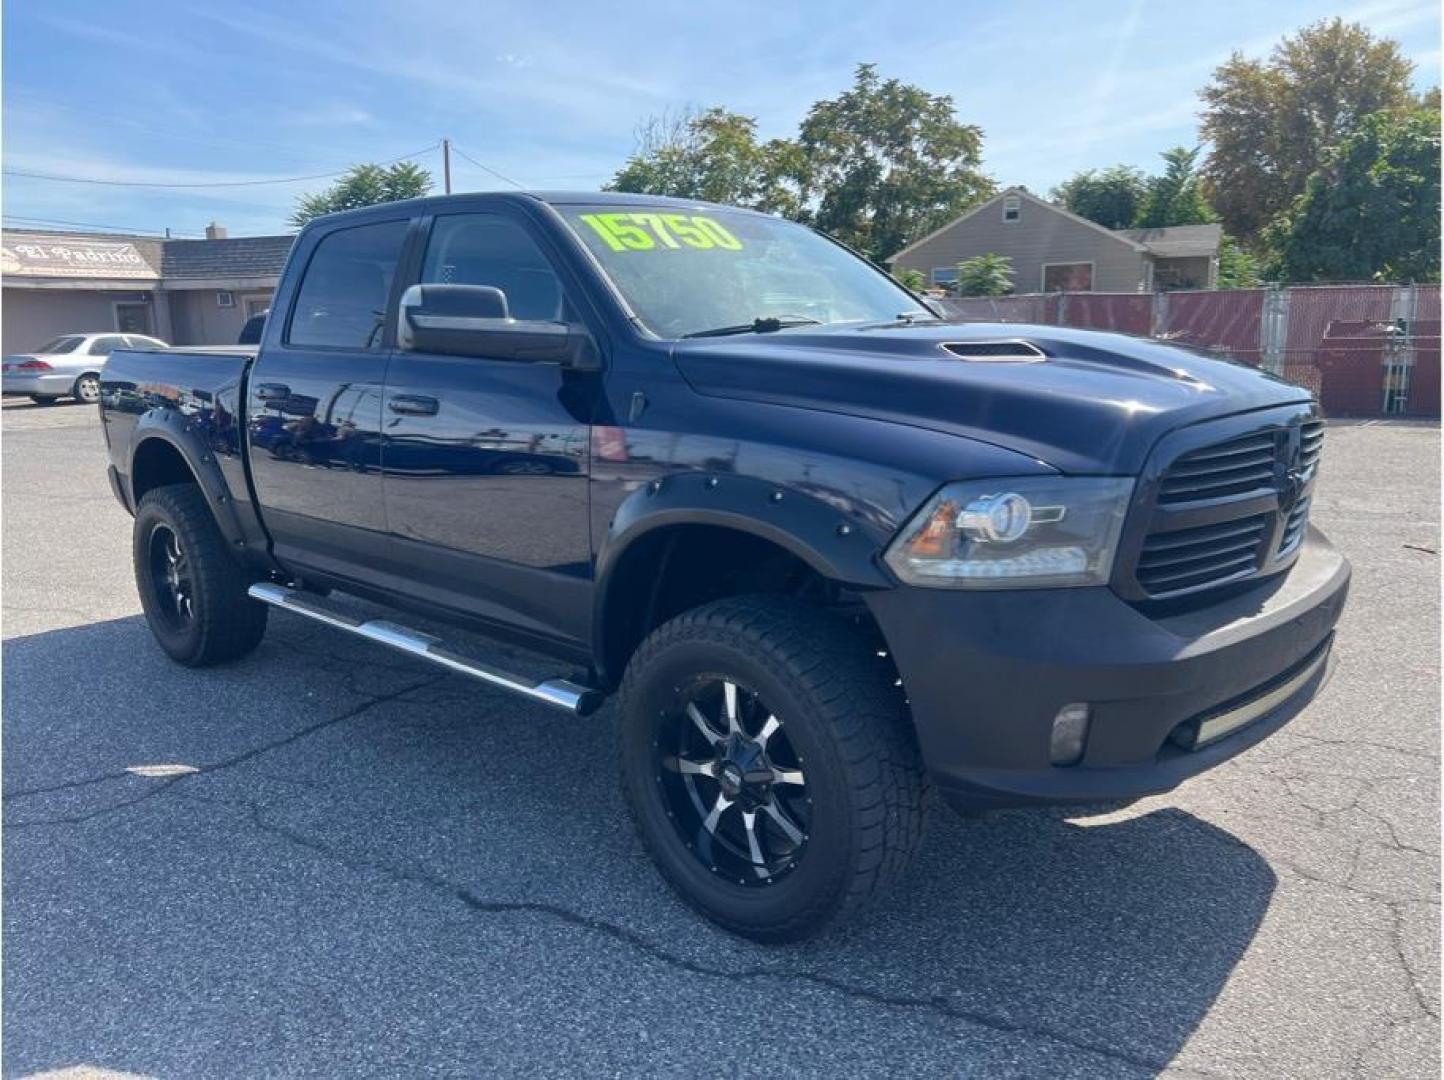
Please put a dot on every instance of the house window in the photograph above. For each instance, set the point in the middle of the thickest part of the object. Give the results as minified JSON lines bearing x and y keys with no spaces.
{"x":944,"y":275}
{"x":1068,"y":277}
{"x":1012,"y":208}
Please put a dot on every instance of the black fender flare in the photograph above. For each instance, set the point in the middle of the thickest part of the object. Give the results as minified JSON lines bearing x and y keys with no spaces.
{"x":170,"y":427}
{"x":840,"y":545}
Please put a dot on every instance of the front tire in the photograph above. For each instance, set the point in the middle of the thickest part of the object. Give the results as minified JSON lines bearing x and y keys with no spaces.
{"x":768,"y":760}
{"x":87,"y":389}
{"x":192,"y":588}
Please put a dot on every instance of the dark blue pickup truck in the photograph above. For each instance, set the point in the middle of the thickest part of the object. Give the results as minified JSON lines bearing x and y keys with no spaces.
{"x":831,"y":550}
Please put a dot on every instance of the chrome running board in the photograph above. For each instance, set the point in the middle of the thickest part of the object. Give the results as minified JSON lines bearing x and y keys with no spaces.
{"x":579,"y":700}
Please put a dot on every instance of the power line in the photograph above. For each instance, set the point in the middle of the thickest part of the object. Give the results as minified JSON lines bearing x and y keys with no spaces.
{"x":210,"y":184}
{"x":484,"y":168}
{"x":126,"y":229}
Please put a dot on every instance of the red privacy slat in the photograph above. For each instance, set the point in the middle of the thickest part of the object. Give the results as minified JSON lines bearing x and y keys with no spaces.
{"x":1227,"y":320}
{"x":1129,"y":313}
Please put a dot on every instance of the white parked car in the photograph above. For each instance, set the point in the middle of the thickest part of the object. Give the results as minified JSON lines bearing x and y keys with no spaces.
{"x":68,"y":366}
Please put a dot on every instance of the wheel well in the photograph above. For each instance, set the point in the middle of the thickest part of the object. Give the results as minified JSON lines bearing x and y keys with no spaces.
{"x":155,"y":464}
{"x":678,"y":567}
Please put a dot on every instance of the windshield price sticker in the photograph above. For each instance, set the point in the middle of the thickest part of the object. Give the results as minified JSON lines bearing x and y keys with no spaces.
{"x":648,"y":232}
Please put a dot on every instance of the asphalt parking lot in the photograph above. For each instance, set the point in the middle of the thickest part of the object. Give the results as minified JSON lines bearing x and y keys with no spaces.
{"x":375,"y":869}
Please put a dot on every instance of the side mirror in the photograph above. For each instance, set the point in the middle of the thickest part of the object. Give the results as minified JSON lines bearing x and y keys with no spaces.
{"x":473,"y":320}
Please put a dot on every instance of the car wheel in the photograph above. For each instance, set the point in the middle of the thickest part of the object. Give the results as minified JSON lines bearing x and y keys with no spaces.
{"x":44,"y":399}
{"x":192,"y":588}
{"x":87,"y":389}
{"x":770,"y":765}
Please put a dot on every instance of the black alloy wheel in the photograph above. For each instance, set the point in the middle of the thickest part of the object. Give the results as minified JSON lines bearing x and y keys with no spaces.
{"x":734,"y":784}
{"x":170,"y":578}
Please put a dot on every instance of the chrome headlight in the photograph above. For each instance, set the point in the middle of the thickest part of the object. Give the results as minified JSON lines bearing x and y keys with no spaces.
{"x":1026,"y":532}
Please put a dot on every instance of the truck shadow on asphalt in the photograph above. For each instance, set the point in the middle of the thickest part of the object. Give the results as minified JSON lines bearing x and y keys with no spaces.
{"x":368,"y":845}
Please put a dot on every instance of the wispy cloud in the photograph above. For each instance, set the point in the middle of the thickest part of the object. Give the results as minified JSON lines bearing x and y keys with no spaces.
{"x":336,"y":115}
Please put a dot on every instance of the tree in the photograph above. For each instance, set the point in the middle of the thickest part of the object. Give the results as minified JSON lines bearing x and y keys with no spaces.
{"x":364,"y":185}
{"x":885,"y":162}
{"x":712,"y":155}
{"x":1272,"y":123}
{"x":985,"y":275}
{"x":1111,"y":197}
{"x":1372,"y":211}
{"x":1238,"y":268}
{"x":1175,"y":197}
{"x":912,"y":280}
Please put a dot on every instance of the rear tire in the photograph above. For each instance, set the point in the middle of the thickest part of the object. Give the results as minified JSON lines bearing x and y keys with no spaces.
{"x":192,"y":588}
{"x":821,"y":745}
{"x":87,"y":389}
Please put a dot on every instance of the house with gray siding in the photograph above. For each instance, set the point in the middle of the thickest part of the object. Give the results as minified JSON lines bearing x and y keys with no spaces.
{"x":1053,"y":250}
{"x":186,"y":292}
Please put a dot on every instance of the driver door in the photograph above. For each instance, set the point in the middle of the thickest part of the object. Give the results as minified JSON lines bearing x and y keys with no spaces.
{"x":484,"y":458}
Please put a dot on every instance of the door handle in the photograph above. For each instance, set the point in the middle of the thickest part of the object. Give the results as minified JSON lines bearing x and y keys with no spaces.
{"x":270,"y":391}
{"x":413,"y":405}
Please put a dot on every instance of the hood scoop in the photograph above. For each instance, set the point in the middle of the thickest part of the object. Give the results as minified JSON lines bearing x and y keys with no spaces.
{"x":1005,"y":351}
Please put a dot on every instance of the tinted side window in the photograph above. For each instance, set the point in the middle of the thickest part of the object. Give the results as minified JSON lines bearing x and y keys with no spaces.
{"x":104,"y":346}
{"x":342,"y":300}
{"x":487,"y":249}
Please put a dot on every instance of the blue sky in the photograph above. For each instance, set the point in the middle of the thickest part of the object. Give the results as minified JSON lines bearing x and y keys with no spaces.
{"x":548,"y":94}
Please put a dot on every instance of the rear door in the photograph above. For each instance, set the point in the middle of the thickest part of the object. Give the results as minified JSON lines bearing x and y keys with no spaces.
{"x":89,"y":357}
{"x":485,"y":458}
{"x":314,"y":405}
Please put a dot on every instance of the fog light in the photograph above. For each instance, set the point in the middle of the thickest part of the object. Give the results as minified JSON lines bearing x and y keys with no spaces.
{"x":1070,"y":731}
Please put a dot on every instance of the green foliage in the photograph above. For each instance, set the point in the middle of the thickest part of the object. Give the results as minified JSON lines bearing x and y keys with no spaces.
{"x":985,"y":275}
{"x":1372,"y":211}
{"x":1110,"y":197}
{"x":885,"y":162}
{"x":911,"y":279}
{"x":1175,"y":197}
{"x":364,"y":185}
{"x":876,"y":166}
{"x":1272,"y":123}
{"x":1238,"y":268}
{"x":712,"y":155}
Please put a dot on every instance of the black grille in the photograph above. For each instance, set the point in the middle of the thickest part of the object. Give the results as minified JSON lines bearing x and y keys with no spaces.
{"x":1313,"y":444}
{"x":1237,"y":467}
{"x":1208,"y":555}
{"x":1294,"y":526}
{"x":1229,"y":510}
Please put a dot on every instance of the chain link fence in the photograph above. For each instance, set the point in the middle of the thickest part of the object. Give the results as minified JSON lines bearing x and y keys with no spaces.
{"x":1364,"y":350}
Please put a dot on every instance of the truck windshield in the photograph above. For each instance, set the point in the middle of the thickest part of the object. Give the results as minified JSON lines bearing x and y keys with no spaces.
{"x":692,"y":272}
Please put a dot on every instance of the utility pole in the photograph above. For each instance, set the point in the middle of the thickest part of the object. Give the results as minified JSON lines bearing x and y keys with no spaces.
{"x":446,"y":164}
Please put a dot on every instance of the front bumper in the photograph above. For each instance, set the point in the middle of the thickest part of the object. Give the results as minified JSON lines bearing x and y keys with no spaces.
{"x":986,"y":672}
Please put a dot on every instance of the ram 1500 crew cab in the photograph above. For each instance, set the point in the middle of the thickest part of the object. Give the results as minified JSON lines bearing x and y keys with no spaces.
{"x":829,"y":549}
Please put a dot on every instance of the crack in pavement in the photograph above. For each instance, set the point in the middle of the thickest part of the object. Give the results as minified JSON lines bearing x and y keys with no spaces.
{"x":936,"y":1004}
{"x":204,"y":770}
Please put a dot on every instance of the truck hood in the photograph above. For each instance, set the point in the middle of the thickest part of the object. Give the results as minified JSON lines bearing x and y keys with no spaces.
{"x":1093,"y":403}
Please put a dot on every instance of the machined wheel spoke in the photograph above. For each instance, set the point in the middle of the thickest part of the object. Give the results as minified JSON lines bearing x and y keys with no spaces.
{"x":759,"y":864}
{"x":788,"y":776}
{"x":769,"y":728}
{"x":729,"y":697}
{"x":718,"y":809}
{"x":695,"y":714}
{"x":695,"y":768}
{"x":784,"y":822}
